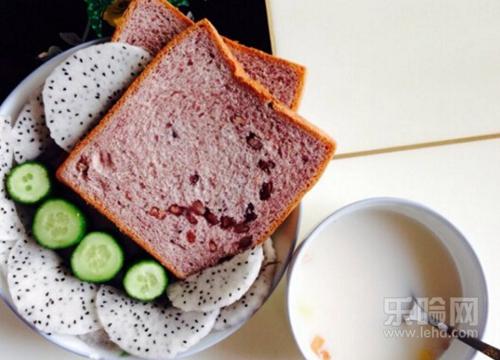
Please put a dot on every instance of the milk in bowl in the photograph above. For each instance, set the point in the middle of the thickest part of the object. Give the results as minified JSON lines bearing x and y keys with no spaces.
{"x":354,"y":281}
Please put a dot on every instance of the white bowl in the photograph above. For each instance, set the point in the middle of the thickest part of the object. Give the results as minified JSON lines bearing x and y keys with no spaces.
{"x":466,"y":262}
{"x":284,"y":238}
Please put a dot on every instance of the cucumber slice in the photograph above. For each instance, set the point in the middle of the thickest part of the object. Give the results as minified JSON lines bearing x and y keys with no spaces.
{"x":28,"y":183}
{"x":98,"y":258}
{"x":58,"y":224}
{"x":145,"y":280}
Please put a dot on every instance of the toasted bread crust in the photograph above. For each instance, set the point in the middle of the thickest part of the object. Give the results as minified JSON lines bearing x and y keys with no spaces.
{"x":245,"y":80}
{"x":299,"y":70}
{"x":125,"y":19}
{"x":131,"y":9}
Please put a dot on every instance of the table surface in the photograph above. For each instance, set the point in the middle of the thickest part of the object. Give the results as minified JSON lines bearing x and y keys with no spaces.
{"x":374,"y":107}
{"x":391,"y":73}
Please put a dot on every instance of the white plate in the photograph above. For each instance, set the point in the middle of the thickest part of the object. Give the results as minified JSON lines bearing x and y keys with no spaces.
{"x":284,"y":238}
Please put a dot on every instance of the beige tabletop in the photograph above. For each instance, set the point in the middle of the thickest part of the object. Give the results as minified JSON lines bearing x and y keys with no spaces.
{"x":391,"y":73}
{"x":388,"y":79}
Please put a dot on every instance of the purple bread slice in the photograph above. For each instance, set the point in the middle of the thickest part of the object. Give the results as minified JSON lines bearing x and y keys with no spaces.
{"x":151,"y":24}
{"x":197,"y":162}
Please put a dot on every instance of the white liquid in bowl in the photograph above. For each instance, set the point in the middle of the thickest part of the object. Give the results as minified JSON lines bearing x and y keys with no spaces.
{"x":347,"y":273}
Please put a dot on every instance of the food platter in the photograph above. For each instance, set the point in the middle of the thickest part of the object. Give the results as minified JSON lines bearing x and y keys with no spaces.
{"x":284,"y":238}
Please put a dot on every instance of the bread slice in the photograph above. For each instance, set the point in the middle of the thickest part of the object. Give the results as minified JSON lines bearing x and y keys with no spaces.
{"x":151,"y":24}
{"x":197,"y":162}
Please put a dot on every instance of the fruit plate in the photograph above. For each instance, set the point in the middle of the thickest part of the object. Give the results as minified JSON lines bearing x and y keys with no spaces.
{"x":284,"y":238}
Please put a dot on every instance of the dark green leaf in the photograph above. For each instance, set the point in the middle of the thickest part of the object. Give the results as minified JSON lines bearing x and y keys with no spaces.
{"x":179,"y":2}
{"x":95,"y":8}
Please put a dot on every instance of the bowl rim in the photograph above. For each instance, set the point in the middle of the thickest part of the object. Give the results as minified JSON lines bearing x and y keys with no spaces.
{"x":14,"y":101}
{"x":379,"y":201}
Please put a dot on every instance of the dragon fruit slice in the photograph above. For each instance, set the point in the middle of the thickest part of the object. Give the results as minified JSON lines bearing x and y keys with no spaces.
{"x":30,"y":134}
{"x":253,"y":299}
{"x":46,"y":295}
{"x":5,"y":248}
{"x":150,"y":330}
{"x":269,"y":252}
{"x":11,"y":226}
{"x":6,"y":156}
{"x":217,"y":286}
{"x":82,"y":88}
{"x":99,"y":339}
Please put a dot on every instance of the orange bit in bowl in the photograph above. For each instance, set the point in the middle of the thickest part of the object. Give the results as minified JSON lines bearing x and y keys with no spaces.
{"x":325,"y":355}
{"x":316,"y":344}
{"x":317,"y":347}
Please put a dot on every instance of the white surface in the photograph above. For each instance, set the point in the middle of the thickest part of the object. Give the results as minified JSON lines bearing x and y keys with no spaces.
{"x":394,"y":72}
{"x":459,"y":181}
